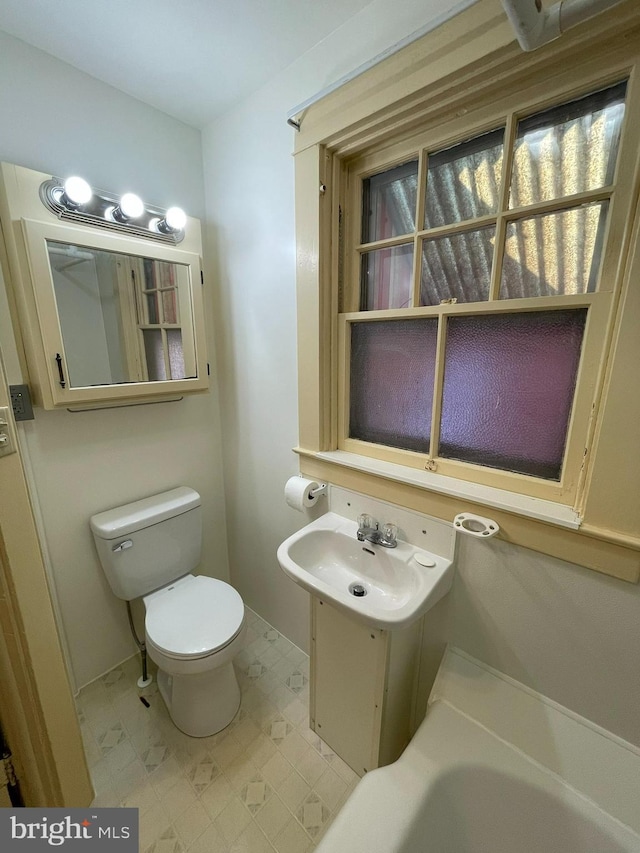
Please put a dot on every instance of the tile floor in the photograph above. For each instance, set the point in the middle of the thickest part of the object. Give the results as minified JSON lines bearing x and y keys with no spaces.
{"x":265,"y":783}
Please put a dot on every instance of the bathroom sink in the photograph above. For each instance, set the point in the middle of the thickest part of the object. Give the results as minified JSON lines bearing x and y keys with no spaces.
{"x":399,"y":584}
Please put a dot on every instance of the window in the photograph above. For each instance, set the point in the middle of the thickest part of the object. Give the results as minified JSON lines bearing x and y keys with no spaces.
{"x":477,"y":271}
{"x":158,"y":306}
{"x":541,"y":155}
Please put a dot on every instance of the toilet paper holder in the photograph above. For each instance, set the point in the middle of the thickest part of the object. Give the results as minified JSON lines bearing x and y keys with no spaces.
{"x":321,"y":489}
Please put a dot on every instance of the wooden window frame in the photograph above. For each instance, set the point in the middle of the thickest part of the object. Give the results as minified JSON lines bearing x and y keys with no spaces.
{"x":448,"y":82}
{"x":599,"y":304}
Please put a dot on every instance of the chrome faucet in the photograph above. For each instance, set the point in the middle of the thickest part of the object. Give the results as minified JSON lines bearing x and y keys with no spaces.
{"x":369,"y":531}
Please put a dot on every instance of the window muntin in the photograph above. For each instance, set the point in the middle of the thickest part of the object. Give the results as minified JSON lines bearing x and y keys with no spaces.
{"x":563,"y":159}
{"x":547,"y":251}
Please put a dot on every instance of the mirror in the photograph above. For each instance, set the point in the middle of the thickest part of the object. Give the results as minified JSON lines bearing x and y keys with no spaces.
{"x":108,"y":312}
{"x":123,"y":318}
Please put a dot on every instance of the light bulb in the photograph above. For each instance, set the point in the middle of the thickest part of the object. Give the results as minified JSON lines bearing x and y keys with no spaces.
{"x":77,"y":190}
{"x":175,"y":218}
{"x":131,"y":206}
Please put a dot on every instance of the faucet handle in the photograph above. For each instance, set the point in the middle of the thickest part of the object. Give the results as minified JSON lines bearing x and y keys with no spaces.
{"x":366,"y":522}
{"x":389,"y":532}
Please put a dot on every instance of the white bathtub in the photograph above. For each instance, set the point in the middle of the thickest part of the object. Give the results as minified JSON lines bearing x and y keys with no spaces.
{"x":461,"y":788}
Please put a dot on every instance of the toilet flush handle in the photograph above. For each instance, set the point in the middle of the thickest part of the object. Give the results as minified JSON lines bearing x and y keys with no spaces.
{"x":122,"y":546}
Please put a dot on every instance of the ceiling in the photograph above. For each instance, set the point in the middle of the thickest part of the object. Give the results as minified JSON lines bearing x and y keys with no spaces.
{"x":191,"y":59}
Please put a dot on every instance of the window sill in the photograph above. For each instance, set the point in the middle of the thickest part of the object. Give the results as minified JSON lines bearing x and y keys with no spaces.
{"x":541,"y":510}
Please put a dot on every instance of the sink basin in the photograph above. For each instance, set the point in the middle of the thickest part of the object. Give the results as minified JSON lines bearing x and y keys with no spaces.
{"x":399,"y":584}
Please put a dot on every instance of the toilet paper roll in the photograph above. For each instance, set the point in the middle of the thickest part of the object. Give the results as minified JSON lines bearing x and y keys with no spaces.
{"x":297,"y":492}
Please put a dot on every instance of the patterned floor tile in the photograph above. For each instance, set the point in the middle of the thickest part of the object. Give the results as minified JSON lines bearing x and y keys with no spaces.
{"x":110,"y":738}
{"x":293,"y":839}
{"x":313,"y":814}
{"x":211,"y":841}
{"x":252,"y":840}
{"x":191,"y":824}
{"x":265,"y":783}
{"x":168,"y":842}
{"x":202,"y":773}
{"x":255,"y":794}
{"x":273,"y":817}
{"x":296,"y":681}
{"x":233,"y":820}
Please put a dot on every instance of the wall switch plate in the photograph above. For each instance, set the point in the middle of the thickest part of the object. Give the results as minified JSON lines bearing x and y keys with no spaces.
{"x":21,"y":402}
{"x":7,"y":438}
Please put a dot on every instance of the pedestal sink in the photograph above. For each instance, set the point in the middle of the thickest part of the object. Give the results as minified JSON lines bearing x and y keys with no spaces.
{"x":385,"y":588}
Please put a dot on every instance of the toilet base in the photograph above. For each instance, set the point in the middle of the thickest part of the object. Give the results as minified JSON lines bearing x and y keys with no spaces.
{"x":201,"y":705}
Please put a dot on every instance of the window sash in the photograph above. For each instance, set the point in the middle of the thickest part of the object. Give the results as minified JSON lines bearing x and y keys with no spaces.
{"x":601,"y":303}
{"x":368,"y":166}
{"x":599,"y":306}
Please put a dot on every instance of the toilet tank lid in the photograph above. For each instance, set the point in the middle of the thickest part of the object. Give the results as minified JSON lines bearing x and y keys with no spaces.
{"x":122,"y":520}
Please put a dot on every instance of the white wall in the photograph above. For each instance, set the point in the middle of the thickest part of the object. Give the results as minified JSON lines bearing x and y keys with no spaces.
{"x":564,"y":630}
{"x":249,"y":189}
{"x":58,"y":120}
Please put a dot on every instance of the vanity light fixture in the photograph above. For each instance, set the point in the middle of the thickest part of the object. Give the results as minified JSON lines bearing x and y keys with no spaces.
{"x":75,"y":191}
{"x":174,"y":220}
{"x":73,"y":199}
{"x":131,"y":207}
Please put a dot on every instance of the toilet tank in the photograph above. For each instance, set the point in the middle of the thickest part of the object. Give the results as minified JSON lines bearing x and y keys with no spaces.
{"x":149,"y":543}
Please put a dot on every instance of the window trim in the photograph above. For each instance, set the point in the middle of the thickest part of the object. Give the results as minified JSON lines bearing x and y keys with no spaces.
{"x":469,"y":56}
{"x":597,"y":332}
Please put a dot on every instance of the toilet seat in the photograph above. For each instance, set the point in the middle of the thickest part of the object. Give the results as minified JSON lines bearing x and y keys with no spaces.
{"x":193,"y":617}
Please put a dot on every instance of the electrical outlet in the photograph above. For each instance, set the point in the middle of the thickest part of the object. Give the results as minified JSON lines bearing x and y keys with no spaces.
{"x":21,"y":402}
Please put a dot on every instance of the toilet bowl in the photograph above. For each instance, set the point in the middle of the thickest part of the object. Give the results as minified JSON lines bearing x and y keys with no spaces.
{"x":194,"y":628}
{"x":194,"y":624}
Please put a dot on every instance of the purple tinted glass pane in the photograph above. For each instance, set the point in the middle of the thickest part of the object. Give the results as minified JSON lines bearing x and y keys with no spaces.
{"x":154,"y":353}
{"x":457,"y":267}
{"x":176,"y":354}
{"x":508,"y":389}
{"x":387,"y":278}
{"x":554,"y":254}
{"x":389,"y":203}
{"x":464,"y":181}
{"x":392,"y":373}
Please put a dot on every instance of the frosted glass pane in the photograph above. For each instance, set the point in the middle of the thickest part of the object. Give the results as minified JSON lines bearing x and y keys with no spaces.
{"x":154,"y":353}
{"x":568,"y":149}
{"x":176,"y":354}
{"x":387,"y":278}
{"x":508,"y":389}
{"x":457,"y":267}
{"x":391,"y":390}
{"x":464,"y":181}
{"x":389,"y":203}
{"x":554,"y":254}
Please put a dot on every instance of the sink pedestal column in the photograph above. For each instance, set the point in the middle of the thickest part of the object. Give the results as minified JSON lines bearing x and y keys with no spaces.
{"x":362,"y":686}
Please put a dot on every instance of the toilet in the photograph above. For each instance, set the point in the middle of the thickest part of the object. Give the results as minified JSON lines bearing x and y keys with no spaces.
{"x":194,"y":624}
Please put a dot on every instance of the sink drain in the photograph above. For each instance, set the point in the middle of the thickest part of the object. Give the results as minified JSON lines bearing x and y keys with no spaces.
{"x":357,"y":589}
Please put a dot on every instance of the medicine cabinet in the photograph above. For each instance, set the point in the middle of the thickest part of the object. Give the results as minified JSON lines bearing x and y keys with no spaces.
{"x":102,"y":316}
